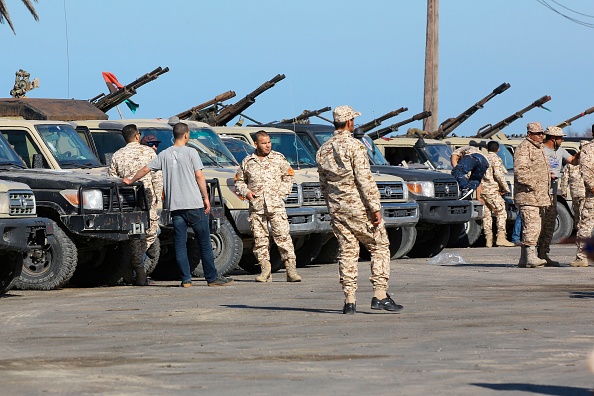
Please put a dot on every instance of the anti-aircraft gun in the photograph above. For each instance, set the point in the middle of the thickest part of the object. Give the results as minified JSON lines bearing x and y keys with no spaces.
{"x":489,"y":130}
{"x":200,"y":112}
{"x":378,"y":121}
{"x":394,"y":127}
{"x":304,"y":117}
{"x":107,"y":102}
{"x":450,"y":124}
{"x":568,"y":122}
{"x":227,"y":113}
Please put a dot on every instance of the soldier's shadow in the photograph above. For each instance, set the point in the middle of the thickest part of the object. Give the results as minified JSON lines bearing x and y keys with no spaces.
{"x":315,"y":310}
{"x":554,"y":390}
{"x":582,"y":294}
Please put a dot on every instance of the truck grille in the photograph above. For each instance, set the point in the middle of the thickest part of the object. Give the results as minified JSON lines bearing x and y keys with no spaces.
{"x":127,"y":199}
{"x":391,"y":191}
{"x":293,"y":198}
{"x":22,"y":203}
{"x":446,"y":189}
{"x":312,"y":194}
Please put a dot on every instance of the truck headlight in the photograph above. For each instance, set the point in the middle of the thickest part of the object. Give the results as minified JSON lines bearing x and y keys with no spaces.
{"x":4,"y":204}
{"x":92,"y":199}
{"x":424,"y":189}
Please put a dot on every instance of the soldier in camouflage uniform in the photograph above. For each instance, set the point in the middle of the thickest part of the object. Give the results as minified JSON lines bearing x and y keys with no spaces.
{"x":572,"y":179}
{"x":354,"y":205}
{"x":493,"y":185}
{"x":265,"y":178}
{"x":532,"y":185}
{"x":470,"y":166}
{"x":586,"y":224}
{"x":125,"y":163}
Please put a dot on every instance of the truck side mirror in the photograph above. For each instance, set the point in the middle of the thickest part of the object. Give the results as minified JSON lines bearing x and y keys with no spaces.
{"x":37,"y":161}
{"x":108,"y":158}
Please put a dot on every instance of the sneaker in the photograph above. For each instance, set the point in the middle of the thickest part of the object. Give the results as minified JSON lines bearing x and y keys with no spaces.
{"x":386,"y":303}
{"x":221,"y":281}
{"x":186,"y":284}
{"x":466,"y":192}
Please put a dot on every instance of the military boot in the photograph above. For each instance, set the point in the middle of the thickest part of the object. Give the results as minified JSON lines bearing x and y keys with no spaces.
{"x":532,"y":260}
{"x":292,"y":275}
{"x":522,"y":263}
{"x":544,"y":254}
{"x":140,"y":278}
{"x":579,"y":262}
{"x":489,"y":239}
{"x":265,"y":274}
{"x":502,"y":240}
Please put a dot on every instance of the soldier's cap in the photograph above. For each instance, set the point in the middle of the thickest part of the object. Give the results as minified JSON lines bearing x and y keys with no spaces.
{"x":554,"y":131}
{"x":345,"y":113}
{"x":534,"y":127}
{"x":149,"y":139}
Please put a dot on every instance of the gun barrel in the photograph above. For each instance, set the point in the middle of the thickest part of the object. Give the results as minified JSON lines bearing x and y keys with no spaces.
{"x":394,"y":127}
{"x":450,"y":124}
{"x":229,"y":112}
{"x":305,"y":115}
{"x":184,"y":115}
{"x":493,"y":129}
{"x":377,"y":121}
{"x":572,"y":119}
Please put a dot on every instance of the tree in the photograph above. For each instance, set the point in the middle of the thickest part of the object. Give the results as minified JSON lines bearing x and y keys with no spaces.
{"x":4,"y":16}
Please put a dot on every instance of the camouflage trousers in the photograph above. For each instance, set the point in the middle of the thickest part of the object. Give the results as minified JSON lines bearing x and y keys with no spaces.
{"x":549,"y":218}
{"x":531,"y":224}
{"x":577,"y":204}
{"x":494,"y":204}
{"x":349,"y":231}
{"x":279,"y":227}
{"x":140,"y":246}
{"x":584,"y":228}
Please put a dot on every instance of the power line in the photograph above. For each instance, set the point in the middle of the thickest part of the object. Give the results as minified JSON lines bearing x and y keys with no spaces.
{"x":574,"y":11}
{"x":574,"y":20}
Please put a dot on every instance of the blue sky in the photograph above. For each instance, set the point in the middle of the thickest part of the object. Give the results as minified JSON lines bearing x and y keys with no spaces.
{"x":369,"y":55}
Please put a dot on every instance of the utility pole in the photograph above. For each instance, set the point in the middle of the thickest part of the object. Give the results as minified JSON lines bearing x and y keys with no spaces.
{"x":430,"y":99}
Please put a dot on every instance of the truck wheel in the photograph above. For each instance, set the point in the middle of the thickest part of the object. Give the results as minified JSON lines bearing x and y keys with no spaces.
{"x":402,"y":240}
{"x":167,"y":269}
{"x":309,"y":250}
{"x":49,"y":269}
{"x":12,"y":265}
{"x":329,"y":252}
{"x":563,"y":224}
{"x":468,"y":233}
{"x":430,"y":241}
{"x":106,"y":270}
{"x":227,"y":248}
{"x":152,"y":257}
{"x":249,"y":263}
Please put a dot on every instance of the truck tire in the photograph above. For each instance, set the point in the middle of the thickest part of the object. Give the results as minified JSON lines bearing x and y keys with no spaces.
{"x":248,"y":261}
{"x":152,"y":256}
{"x":167,"y":269}
{"x":12,"y":265}
{"x":402,"y":240}
{"x":430,"y":241}
{"x":309,"y":250}
{"x":227,"y":247}
{"x":563,"y":224}
{"x":465,"y":235}
{"x":103,"y":268}
{"x":49,"y":269}
{"x":329,"y":252}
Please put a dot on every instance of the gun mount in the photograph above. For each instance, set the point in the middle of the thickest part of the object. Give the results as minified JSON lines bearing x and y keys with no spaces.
{"x":489,"y":130}
{"x":450,"y":124}
{"x":378,"y":121}
{"x":107,"y":102}
{"x":572,"y":119}
{"x":227,"y":113}
{"x":394,"y":127}
{"x":22,"y":85}
{"x":303,"y":118}
{"x":198,"y":113}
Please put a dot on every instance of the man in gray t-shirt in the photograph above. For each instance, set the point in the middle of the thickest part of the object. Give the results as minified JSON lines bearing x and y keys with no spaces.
{"x":187,"y":199}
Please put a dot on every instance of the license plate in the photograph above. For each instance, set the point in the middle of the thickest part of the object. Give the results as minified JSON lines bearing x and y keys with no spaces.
{"x":137,"y":229}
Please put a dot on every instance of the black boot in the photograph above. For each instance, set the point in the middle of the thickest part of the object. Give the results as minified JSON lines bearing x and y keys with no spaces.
{"x":140,"y":279}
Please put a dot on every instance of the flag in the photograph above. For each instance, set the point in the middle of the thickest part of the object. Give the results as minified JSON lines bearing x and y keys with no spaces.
{"x":113,"y":85}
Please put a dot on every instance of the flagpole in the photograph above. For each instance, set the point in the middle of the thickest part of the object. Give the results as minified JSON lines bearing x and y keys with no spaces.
{"x":121,"y":116}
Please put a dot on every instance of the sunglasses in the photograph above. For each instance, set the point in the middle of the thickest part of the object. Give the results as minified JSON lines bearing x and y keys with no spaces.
{"x":153,"y":144}
{"x":537,"y":133}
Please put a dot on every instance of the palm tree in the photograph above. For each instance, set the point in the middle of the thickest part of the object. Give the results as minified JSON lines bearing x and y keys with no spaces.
{"x":4,"y":12}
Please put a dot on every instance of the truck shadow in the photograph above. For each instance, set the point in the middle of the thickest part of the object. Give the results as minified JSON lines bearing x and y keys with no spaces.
{"x":555,"y":390}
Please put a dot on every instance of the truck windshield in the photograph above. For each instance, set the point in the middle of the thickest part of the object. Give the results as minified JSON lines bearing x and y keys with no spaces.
{"x":108,"y":142}
{"x":238,"y":148}
{"x":217,"y":149}
{"x":204,"y":153}
{"x":506,"y":157}
{"x":292,"y":148}
{"x":66,"y":146}
{"x":439,"y":155}
{"x":8,"y":156}
{"x":164,"y":135}
{"x":375,"y":156}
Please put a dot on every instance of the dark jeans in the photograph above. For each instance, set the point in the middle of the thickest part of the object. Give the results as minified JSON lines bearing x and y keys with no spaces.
{"x":517,"y":229}
{"x":476,"y":164}
{"x":198,"y":220}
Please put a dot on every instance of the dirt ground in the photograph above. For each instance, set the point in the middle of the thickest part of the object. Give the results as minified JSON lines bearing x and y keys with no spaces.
{"x":484,"y":327}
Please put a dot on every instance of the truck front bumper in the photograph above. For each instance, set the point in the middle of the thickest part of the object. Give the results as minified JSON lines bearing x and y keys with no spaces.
{"x":301,"y":221}
{"x":400,"y":214}
{"x":19,"y":234}
{"x":447,"y":211}
{"x":118,"y":226}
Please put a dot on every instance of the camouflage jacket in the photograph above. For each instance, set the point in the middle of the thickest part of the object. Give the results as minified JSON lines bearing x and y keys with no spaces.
{"x":130,"y":159}
{"x":269,"y":178}
{"x":494,"y":179}
{"x":345,"y":175}
{"x":587,"y":167}
{"x":465,"y":150}
{"x":532,"y":176}
{"x":572,"y":178}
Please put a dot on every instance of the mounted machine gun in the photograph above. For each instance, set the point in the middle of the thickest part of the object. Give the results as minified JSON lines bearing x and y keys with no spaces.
{"x":394,"y":127}
{"x":572,"y":119}
{"x":303,"y":118}
{"x":197,"y":113}
{"x":378,"y":121}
